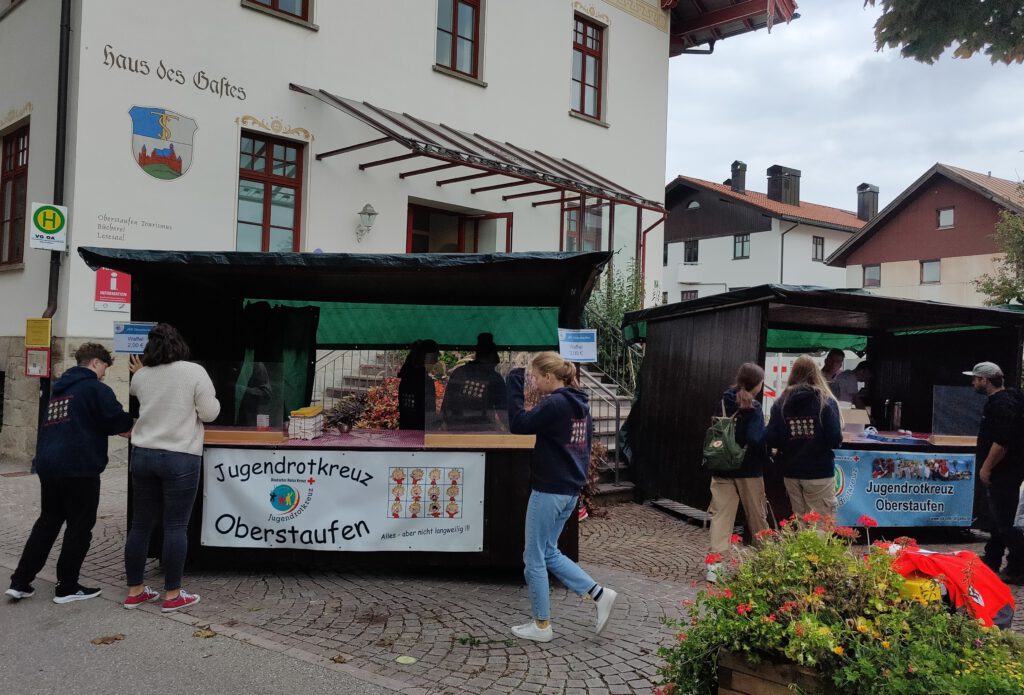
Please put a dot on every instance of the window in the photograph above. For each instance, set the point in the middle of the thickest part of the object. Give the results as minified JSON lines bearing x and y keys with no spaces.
{"x":458,"y":36}
{"x":690,"y":252}
{"x":269,"y":194}
{"x":664,"y":297}
{"x":930,"y":272}
{"x":13,"y":193}
{"x":945,"y":216}
{"x":873,"y":275}
{"x":741,"y":246}
{"x":693,"y":205}
{"x":588,"y":238}
{"x":818,"y":248}
{"x":587,"y":67}
{"x":293,"y":8}
{"x":686,"y":295}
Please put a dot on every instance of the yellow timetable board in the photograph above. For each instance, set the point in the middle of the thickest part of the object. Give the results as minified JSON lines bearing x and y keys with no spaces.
{"x":37,"y":333}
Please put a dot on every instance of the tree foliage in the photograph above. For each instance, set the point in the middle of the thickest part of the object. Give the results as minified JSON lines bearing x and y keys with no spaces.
{"x":1006,"y":284}
{"x":923,"y":29}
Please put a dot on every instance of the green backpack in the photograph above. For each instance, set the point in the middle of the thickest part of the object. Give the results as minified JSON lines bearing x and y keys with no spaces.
{"x":721,"y":452}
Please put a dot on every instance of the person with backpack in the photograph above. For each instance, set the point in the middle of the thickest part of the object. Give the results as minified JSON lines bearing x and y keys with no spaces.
{"x":805,"y":427}
{"x":744,"y":484}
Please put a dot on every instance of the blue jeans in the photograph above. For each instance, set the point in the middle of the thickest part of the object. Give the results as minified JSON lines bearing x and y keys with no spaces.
{"x":546,"y":515}
{"x":168,"y":480}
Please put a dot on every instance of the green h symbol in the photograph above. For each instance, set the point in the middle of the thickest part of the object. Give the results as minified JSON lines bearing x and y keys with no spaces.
{"x":50,"y":219}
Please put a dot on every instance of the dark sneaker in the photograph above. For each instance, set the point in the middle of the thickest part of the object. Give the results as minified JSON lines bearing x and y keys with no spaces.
{"x":183,"y":600}
{"x":146,"y":596}
{"x":75,"y":593}
{"x":19,"y":592}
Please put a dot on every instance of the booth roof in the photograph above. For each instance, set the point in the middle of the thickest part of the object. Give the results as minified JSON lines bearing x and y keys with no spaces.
{"x":801,"y":307}
{"x":536,"y":279}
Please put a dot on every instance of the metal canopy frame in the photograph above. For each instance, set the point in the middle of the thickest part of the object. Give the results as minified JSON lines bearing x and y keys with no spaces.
{"x":485,"y":156}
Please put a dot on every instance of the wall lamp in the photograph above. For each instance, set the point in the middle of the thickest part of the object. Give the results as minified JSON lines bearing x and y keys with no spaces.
{"x":366,"y":217}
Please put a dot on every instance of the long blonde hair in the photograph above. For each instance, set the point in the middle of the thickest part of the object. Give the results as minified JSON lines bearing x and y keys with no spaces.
{"x":805,"y":372}
{"x":553,"y":363}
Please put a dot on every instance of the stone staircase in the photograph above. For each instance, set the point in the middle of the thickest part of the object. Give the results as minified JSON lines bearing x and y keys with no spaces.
{"x":609,"y":407}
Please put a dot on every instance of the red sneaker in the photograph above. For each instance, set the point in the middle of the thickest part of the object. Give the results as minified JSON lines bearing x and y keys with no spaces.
{"x":583,"y":513}
{"x":184,"y":599}
{"x":146,"y":596}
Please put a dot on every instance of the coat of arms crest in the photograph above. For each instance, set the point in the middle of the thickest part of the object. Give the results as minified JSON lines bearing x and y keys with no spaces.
{"x":162,"y":141}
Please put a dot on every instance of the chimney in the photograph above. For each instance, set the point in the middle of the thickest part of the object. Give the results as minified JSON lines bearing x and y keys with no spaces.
{"x":867,"y":201}
{"x":738,"y":181}
{"x":784,"y":184}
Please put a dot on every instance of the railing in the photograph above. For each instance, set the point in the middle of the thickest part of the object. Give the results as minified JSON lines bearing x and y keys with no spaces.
{"x":619,"y":360}
{"x":603,"y":400}
{"x":344,"y":371}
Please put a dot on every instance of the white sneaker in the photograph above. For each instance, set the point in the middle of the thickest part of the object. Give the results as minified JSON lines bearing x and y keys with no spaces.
{"x":18,"y":594}
{"x":713,"y":571}
{"x":604,"y":608}
{"x":532,"y":632}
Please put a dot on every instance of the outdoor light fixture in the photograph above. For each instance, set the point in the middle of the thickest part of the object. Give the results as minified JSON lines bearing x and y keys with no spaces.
{"x":366,"y":217}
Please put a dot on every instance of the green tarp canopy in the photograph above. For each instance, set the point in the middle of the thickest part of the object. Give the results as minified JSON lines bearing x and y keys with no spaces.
{"x":380,"y":326}
{"x":780,"y":340}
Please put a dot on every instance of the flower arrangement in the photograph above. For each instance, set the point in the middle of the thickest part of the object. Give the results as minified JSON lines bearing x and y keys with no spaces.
{"x":805,"y":597}
{"x":346,"y":412}
{"x":381,"y":411}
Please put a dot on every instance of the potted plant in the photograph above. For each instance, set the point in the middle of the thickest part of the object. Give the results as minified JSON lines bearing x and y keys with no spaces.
{"x":344,"y":414}
{"x":805,"y":608}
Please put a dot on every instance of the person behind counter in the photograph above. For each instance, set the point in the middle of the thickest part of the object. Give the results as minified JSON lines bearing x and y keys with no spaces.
{"x":417,"y":399}
{"x":475,"y":395}
{"x":175,"y":398}
{"x":1000,"y":454}
{"x":805,"y":427}
{"x":833,"y":364}
{"x":745,"y":484}
{"x":558,"y":470}
{"x":846,"y":385}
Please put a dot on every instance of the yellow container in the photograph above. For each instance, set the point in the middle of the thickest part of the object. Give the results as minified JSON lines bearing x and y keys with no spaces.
{"x":922,"y":589}
{"x":308,"y":411}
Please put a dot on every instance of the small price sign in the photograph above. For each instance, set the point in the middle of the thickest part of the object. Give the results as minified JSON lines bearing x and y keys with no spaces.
{"x":578,"y":345}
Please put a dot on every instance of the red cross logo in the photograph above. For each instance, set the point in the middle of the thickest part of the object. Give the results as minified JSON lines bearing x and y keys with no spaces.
{"x":311,"y":481}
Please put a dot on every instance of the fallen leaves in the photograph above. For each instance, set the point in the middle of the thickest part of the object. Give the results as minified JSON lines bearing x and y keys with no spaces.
{"x":108,"y":639}
{"x":204,"y":633}
{"x":340,"y":659}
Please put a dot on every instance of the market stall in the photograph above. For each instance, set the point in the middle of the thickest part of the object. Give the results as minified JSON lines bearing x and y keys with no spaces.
{"x":255,"y":321}
{"x":917,"y":350}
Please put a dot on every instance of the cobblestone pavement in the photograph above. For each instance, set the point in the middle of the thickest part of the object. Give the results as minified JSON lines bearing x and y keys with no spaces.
{"x":454,"y":622}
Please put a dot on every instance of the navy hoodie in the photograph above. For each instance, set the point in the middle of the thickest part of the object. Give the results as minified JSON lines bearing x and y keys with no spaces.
{"x":750,"y":432}
{"x":805,"y":434}
{"x":82,"y":413}
{"x":561,"y":421}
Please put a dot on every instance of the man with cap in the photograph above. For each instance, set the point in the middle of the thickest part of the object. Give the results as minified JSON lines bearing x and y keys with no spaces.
{"x":1000,"y":461}
{"x":475,"y":396}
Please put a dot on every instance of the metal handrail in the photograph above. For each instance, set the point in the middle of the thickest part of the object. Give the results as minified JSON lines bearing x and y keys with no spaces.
{"x":607,"y":395}
{"x":619,"y":360}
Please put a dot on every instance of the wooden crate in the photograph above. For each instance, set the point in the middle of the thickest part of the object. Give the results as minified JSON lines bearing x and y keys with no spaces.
{"x":737,"y":677}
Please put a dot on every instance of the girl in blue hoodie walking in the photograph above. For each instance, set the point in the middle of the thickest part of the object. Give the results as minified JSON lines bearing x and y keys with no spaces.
{"x":558,"y":470}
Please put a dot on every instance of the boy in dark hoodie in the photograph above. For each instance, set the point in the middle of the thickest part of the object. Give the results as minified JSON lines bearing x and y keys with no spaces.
{"x":70,"y":455}
{"x":558,"y":470}
{"x":805,"y":427}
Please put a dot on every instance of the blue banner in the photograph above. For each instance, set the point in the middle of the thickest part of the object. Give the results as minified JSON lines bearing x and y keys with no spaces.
{"x":904,"y":488}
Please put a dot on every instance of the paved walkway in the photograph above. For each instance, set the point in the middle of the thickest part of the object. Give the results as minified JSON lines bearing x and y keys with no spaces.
{"x":454,"y":622}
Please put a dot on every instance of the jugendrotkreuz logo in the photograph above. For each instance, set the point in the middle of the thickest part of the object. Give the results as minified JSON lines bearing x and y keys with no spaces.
{"x":284,"y":498}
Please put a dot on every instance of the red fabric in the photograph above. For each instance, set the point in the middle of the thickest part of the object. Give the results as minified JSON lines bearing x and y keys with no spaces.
{"x":967,"y":579}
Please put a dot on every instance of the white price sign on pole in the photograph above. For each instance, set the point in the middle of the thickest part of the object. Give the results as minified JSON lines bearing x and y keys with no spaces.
{"x":578,"y":345}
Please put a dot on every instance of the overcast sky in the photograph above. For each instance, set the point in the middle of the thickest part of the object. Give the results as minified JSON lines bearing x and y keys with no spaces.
{"x":816,"y":96}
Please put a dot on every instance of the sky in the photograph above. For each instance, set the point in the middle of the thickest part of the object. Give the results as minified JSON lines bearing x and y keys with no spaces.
{"x":814,"y":95}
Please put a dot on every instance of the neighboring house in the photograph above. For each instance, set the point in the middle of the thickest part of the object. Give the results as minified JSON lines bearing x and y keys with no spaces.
{"x":270,"y":125}
{"x":721,"y":237}
{"x":934,"y":239}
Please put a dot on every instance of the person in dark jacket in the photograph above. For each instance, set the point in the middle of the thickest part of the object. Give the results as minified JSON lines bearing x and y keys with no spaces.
{"x":70,"y":455}
{"x":805,"y":426}
{"x":1000,"y":461}
{"x":745,"y":484}
{"x":558,"y":470}
{"x":475,"y":396}
{"x":417,"y":399}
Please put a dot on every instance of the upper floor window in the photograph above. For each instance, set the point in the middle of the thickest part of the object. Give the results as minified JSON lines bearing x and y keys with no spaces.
{"x":945,"y":217}
{"x":818,"y":248}
{"x":269,"y":194}
{"x":872,"y":276}
{"x":930,"y":272}
{"x":687,"y":295}
{"x":690,"y":249}
{"x":587,"y":67}
{"x":585,"y":236}
{"x":292,"y":8}
{"x":458,"y":36}
{"x":13,"y":194}
{"x":741,"y":246}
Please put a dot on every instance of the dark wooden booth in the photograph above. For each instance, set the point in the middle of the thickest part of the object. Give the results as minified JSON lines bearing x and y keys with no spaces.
{"x":693,"y":349}
{"x":203,"y":294}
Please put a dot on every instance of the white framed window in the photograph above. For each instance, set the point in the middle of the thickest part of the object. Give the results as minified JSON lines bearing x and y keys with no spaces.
{"x":945,"y":217}
{"x":931,"y":272}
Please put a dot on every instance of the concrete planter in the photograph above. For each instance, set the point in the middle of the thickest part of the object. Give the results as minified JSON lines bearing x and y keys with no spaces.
{"x":737,"y":677}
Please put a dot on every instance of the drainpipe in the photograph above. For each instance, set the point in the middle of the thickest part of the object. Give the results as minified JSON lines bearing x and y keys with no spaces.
{"x":782,"y":251}
{"x":58,"y":181}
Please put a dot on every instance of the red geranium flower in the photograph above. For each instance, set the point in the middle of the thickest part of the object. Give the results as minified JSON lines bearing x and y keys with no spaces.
{"x":846,"y":532}
{"x":735,"y":538}
{"x":770,"y":618}
{"x":811,"y":517}
{"x":764,"y":533}
{"x":744,"y":608}
{"x":727,"y":592}
{"x":783,"y":523}
{"x":713,"y":558}
{"x":819,"y":590}
{"x":866,"y":521}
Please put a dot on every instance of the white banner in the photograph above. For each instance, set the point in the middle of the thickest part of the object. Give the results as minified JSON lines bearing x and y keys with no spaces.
{"x":343,"y":500}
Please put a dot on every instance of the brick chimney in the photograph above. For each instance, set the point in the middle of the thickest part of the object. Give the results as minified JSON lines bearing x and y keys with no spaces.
{"x":738,"y":180}
{"x":784,"y":184}
{"x":867,"y":201}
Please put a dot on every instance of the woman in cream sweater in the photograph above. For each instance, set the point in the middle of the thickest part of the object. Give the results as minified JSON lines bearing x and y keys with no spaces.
{"x":175,"y":398}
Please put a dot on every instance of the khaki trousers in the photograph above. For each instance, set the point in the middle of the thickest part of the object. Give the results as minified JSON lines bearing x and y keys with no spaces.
{"x":726,"y":496}
{"x":815,"y":495}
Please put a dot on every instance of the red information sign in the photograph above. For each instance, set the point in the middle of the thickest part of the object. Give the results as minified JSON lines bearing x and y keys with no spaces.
{"x":113,"y":290}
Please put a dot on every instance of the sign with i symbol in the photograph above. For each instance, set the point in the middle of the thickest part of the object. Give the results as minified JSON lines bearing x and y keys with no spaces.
{"x":113,"y":291}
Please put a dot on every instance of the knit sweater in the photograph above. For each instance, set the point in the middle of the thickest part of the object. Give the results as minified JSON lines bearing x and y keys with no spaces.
{"x":174,"y":401}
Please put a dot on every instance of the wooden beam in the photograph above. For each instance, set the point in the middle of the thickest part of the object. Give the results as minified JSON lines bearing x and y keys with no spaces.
{"x":389,"y":160}
{"x":351,"y":148}
{"x":525,"y":195}
{"x":469,"y":177}
{"x":732,"y":13}
{"x":417,"y":172}
{"x":499,"y":185}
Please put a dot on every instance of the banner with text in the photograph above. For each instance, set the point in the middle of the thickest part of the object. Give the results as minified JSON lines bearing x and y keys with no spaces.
{"x":904,"y":488}
{"x":343,"y":500}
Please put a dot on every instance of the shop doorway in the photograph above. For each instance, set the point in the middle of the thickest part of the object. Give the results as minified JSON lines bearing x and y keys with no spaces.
{"x":439,"y":230}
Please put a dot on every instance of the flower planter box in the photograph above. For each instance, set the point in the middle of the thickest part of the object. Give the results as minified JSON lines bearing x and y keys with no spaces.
{"x":737,"y":677}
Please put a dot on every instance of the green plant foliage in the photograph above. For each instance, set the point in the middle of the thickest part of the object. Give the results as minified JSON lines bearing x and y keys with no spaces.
{"x":923,"y":29}
{"x":617,"y":293}
{"x":806,"y":597}
{"x":1006,"y":284}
